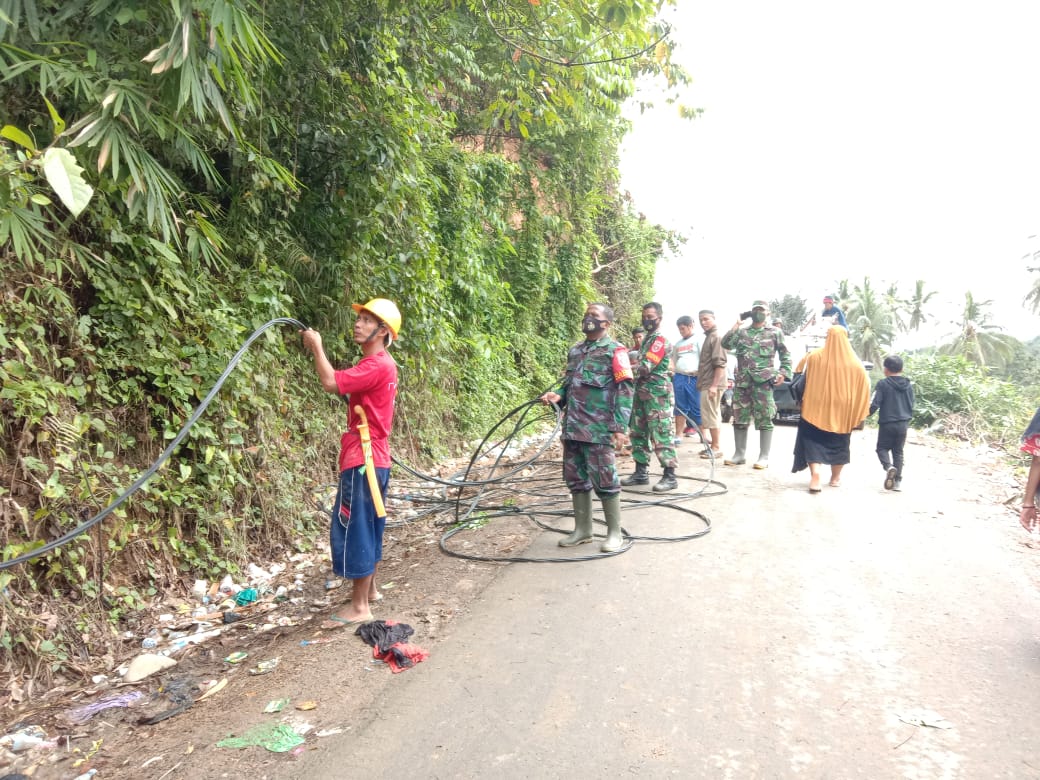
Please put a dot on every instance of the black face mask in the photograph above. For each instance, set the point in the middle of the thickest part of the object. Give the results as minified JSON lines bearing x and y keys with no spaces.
{"x":591,"y":324}
{"x":650,"y":325}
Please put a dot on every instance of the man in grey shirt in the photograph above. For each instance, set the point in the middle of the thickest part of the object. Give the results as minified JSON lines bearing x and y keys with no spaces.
{"x":711,"y":379}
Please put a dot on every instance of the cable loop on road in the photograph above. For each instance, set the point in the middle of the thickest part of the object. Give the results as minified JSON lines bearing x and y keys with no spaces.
{"x":500,"y":482}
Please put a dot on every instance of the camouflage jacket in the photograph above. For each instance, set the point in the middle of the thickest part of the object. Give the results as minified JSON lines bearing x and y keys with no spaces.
{"x":754,"y":349}
{"x":651,"y":369}
{"x":596,"y":393}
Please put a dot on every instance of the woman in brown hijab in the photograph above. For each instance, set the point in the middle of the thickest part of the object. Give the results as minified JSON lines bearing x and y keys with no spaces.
{"x":836,"y":399}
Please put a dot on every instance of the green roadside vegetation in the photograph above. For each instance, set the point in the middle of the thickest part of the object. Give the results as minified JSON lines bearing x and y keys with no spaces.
{"x":177,"y":174}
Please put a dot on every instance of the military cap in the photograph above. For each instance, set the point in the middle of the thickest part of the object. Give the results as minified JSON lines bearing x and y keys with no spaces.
{"x":759,"y":305}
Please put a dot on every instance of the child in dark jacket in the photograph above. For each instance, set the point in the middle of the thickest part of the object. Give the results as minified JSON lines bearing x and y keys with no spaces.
{"x":893,"y":400}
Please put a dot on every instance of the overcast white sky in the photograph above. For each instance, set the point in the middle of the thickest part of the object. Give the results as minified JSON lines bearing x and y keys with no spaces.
{"x":895,"y":140}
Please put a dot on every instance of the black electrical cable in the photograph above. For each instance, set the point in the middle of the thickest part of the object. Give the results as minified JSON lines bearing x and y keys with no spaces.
{"x":454,"y":482}
{"x":163,"y":457}
{"x":545,"y":504}
{"x":503,"y":446}
{"x":460,"y":482}
{"x":532,"y":511}
{"x":479,"y":500}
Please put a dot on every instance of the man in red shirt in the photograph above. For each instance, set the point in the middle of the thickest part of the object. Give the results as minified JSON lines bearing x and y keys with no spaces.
{"x":356,"y":531}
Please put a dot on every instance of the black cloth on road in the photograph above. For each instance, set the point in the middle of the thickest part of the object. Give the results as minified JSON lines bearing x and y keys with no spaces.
{"x":383,"y":634}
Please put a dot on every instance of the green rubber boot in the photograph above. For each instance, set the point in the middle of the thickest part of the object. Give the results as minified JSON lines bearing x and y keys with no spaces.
{"x":765,"y":443}
{"x":740,"y":439}
{"x":582,"y":520}
{"x":612,"y":514}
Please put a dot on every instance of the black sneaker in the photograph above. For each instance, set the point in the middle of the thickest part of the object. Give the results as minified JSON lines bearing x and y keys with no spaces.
{"x":890,"y":478}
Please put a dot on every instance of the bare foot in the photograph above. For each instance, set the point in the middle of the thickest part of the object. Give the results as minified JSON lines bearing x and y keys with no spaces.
{"x":814,"y":485}
{"x":835,"y":483}
{"x":346,"y":617}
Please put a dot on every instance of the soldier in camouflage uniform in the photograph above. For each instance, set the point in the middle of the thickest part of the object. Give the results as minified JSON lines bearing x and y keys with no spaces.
{"x":596,"y":394}
{"x":653,"y":406}
{"x":754,"y":348}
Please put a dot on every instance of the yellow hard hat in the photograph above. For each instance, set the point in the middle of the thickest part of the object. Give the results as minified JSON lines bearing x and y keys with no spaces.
{"x":384,"y":310}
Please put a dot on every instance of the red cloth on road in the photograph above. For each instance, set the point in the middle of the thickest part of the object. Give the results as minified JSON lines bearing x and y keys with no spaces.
{"x":401,"y":656}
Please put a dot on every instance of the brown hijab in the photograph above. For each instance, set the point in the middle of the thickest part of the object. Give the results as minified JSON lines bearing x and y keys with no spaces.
{"x":837,"y":391}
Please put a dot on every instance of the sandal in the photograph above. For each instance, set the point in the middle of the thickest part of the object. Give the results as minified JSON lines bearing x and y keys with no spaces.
{"x":335,"y":622}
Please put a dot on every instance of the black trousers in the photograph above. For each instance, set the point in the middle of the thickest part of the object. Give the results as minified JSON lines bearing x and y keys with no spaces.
{"x":890,"y":440}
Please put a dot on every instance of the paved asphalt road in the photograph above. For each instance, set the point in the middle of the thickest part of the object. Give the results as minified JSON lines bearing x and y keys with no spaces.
{"x":788,"y":642}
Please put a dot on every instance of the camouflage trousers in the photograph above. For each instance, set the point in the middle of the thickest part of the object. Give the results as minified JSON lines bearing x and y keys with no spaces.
{"x":651,"y":425}
{"x":754,"y":402}
{"x":589,"y":466}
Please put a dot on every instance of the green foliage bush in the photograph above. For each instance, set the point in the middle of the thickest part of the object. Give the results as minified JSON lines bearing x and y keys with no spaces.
{"x":989,"y":409}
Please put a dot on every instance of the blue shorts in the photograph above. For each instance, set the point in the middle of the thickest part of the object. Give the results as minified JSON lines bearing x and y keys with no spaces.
{"x":356,"y":534}
{"x":687,"y":397}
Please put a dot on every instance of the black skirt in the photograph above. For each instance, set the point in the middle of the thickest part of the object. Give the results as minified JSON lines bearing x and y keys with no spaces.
{"x":813,"y":445}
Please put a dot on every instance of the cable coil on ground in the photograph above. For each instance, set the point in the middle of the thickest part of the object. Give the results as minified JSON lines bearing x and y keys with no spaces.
{"x":527,"y":488}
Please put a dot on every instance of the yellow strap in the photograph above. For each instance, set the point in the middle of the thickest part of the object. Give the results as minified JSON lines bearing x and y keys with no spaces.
{"x":370,"y":466}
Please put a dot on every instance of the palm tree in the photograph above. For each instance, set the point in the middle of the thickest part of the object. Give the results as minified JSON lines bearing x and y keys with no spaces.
{"x":979,"y":341}
{"x":916,"y":306}
{"x":1032,"y":299}
{"x":896,"y":305}
{"x":843,"y":290}
{"x":871,"y":323}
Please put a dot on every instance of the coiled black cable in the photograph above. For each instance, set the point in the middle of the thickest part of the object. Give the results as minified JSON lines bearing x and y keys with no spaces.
{"x":478,"y":514}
